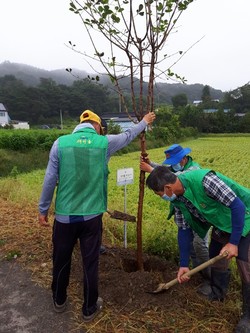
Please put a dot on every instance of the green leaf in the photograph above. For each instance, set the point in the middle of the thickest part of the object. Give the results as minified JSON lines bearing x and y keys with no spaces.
{"x":115,"y":18}
{"x":160,"y":7}
{"x":140,"y":8}
{"x":112,"y":79}
{"x":100,"y":8}
{"x":72,"y":5}
{"x":101,"y":54}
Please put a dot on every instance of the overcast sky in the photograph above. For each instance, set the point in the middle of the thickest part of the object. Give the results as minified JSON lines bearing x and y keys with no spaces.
{"x":34,"y":32}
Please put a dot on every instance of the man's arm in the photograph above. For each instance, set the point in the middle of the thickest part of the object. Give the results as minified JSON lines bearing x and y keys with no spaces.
{"x":119,"y":141}
{"x":219,"y":191}
{"x":185,"y":238}
{"x":149,"y":167}
{"x":144,"y":166}
{"x":49,"y":184}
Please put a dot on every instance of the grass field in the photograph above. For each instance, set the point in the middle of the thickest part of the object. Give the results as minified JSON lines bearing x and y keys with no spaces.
{"x":182,"y":310}
{"x":226,"y":154}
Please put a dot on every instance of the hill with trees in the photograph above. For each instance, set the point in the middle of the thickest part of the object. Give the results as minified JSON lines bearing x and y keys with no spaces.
{"x":31,"y":76}
{"x":40,"y":97}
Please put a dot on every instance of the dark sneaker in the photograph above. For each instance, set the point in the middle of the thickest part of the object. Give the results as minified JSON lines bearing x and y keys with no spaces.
{"x":99,"y":305}
{"x":59,"y":307}
{"x":102,"y":249}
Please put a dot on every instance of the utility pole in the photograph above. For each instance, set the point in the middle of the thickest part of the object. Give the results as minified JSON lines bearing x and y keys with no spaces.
{"x":61,"y":119}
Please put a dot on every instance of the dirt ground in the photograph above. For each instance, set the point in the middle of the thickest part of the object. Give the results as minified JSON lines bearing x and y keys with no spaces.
{"x":128,"y":307}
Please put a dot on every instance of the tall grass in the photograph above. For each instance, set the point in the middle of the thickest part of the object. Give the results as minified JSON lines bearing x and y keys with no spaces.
{"x":16,"y":162}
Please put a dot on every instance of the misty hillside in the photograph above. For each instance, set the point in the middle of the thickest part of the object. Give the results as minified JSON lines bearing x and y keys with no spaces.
{"x":30,"y":76}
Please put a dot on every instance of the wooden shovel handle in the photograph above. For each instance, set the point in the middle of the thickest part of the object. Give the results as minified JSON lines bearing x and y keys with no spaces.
{"x":165,"y":286}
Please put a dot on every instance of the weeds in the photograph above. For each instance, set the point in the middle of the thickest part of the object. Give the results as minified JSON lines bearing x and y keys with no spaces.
{"x":13,"y":255}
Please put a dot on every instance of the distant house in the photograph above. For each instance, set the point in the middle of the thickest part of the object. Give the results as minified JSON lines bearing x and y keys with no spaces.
{"x":120,"y":119}
{"x":5,"y":120}
{"x":4,"y":117}
{"x":239,"y":114}
{"x":215,"y":110}
{"x":210,"y":110}
{"x":197,"y":102}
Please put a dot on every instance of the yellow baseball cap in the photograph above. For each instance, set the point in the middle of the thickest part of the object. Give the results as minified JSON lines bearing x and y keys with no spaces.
{"x":88,"y":115}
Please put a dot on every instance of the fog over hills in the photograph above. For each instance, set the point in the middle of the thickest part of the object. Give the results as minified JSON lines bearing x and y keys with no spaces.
{"x":30,"y":76}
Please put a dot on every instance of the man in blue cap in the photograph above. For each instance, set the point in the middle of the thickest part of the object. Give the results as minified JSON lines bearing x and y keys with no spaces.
{"x":178,"y":158}
{"x":178,"y":161}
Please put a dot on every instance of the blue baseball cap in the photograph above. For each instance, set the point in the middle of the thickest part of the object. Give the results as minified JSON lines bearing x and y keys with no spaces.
{"x":175,"y":153}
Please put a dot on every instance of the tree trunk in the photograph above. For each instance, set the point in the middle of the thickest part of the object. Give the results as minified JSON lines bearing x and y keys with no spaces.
{"x":140,"y":204}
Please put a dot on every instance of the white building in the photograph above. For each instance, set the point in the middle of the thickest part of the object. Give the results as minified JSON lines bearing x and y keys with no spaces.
{"x":197,"y":102}
{"x":4,"y":117}
{"x":5,"y":120}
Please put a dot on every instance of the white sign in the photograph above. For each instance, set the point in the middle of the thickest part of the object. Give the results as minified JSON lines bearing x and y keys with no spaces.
{"x":125,"y":176}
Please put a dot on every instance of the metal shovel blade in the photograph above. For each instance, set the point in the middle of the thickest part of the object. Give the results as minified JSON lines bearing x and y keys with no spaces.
{"x":115,"y":214}
{"x":165,"y":286}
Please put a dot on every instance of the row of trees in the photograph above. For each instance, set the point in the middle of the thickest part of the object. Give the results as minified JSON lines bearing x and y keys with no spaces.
{"x":237,"y":100}
{"x":231,"y":115}
{"x":43,"y":104}
{"x":216,"y":122}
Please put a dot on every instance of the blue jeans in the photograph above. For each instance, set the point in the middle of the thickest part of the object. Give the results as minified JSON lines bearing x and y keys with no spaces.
{"x":65,"y":236}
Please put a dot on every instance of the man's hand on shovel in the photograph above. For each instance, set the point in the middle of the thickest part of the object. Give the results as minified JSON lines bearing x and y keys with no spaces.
{"x":231,"y":249}
{"x":181,"y":276}
{"x":189,"y":273}
{"x":183,"y":272}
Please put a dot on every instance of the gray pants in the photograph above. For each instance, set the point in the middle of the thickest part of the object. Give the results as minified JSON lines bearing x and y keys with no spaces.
{"x":200,"y":252}
{"x":242,"y":260}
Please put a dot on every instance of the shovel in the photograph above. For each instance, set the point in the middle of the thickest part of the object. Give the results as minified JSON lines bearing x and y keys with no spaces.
{"x":165,"y":286}
{"x":115,"y":214}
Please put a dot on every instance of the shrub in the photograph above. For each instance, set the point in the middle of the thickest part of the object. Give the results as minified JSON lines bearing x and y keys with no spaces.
{"x":21,"y":140}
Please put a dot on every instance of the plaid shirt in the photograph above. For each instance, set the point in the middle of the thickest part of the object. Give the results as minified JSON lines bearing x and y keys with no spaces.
{"x":216,"y":189}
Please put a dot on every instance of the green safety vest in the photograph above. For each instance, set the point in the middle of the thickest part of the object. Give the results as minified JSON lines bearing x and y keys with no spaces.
{"x":214,"y":212}
{"x":189,"y":166}
{"x":83,"y":173}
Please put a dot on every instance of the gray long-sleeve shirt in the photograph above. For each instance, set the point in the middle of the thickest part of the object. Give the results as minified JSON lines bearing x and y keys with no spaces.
{"x":115,"y":143}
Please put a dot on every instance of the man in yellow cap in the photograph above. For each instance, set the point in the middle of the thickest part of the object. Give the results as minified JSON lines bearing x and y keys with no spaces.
{"x":94,"y":119}
{"x":78,"y":163}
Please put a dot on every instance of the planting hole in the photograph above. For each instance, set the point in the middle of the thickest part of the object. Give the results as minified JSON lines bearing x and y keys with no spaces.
{"x":149,"y":265}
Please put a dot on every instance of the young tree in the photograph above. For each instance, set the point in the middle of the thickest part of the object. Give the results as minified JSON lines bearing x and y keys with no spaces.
{"x":136,"y":33}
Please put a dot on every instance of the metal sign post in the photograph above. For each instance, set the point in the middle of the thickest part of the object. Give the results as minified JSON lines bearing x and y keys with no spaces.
{"x":125,"y":177}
